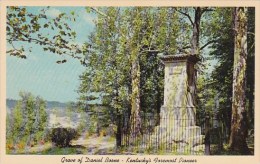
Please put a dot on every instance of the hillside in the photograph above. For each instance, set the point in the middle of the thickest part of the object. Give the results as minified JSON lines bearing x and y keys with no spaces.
{"x":10,"y":104}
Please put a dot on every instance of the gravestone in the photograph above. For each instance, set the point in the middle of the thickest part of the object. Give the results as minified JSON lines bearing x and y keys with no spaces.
{"x":178,"y":114}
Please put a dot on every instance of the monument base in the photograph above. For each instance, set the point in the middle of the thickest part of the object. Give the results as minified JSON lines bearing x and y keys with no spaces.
{"x":182,"y":135}
{"x":180,"y":139}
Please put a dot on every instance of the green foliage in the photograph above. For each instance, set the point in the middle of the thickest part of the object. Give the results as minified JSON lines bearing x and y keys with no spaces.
{"x":28,"y":121}
{"x":120,"y":40}
{"x":223,"y":73}
{"x":52,"y":34}
{"x":63,"y":136}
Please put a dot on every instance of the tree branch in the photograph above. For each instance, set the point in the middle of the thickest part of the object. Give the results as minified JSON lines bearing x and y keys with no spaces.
{"x":187,"y":15}
{"x":149,"y":51}
{"x":186,"y":47}
{"x":206,"y":9}
{"x":66,"y":48}
{"x":12,"y":44}
{"x":99,"y":12}
{"x":210,"y":42}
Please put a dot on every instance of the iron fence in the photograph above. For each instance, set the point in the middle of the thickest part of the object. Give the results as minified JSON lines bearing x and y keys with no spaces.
{"x":163,"y":134}
{"x":170,"y":135}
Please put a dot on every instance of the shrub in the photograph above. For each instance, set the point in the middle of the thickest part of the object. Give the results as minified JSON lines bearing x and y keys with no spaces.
{"x":63,"y":136}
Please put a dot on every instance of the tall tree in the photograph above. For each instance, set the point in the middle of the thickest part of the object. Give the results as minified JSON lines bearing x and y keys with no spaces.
{"x":239,"y":126}
{"x":198,"y":35}
{"x":107,"y":69}
{"x":136,"y":39}
{"x":223,"y":52}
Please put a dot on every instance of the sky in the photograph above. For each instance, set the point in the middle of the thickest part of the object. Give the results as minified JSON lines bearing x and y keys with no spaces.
{"x":40,"y":74}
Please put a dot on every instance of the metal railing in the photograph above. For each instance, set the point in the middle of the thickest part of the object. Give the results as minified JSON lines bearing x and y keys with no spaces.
{"x":169,"y":135}
{"x":166,"y":134}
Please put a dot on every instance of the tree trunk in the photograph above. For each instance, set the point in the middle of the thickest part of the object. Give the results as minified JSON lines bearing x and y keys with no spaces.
{"x":119,"y":131}
{"x":135,"y":119}
{"x":251,"y":109}
{"x":196,"y":32}
{"x":239,"y":115}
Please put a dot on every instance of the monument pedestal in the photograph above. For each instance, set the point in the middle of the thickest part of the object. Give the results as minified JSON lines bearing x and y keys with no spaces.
{"x":179,"y":134}
{"x":177,"y":128}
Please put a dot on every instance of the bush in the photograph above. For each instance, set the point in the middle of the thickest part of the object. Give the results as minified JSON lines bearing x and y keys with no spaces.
{"x":63,"y":136}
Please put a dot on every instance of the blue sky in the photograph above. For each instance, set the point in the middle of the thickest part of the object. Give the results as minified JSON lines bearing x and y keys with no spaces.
{"x":40,"y":74}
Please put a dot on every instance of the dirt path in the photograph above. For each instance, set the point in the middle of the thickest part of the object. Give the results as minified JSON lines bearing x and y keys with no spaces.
{"x":95,"y":145}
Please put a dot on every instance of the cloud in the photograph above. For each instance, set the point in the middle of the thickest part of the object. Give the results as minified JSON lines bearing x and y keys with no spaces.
{"x":53,"y":12}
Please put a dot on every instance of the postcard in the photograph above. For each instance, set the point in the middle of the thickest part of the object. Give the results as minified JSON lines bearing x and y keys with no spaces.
{"x":129,"y":82}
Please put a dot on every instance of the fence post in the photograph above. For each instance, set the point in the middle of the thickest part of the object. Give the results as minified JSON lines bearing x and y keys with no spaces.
{"x":207,"y":136}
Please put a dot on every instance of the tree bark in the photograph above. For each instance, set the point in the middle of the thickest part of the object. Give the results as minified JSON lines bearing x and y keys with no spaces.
{"x":239,"y":124}
{"x":135,"y":119}
{"x":196,"y":32}
{"x":119,"y":131}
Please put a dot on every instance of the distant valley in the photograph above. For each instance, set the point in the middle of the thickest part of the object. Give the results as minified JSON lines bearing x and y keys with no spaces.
{"x":58,"y":114}
{"x":10,"y":103}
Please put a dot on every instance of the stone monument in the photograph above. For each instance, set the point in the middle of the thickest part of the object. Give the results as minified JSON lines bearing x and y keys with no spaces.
{"x":178,"y":113}
{"x":179,"y":88}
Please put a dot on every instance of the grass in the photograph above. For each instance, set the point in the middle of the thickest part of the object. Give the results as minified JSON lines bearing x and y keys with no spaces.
{"x":227,"y":151}
{"x":93,"y":148}
{"x":77,"y":149}
{"x":97,"y":145}
{"x":63,"y":151}
{"x":48,"y":149}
